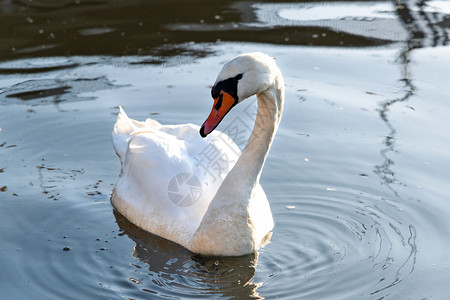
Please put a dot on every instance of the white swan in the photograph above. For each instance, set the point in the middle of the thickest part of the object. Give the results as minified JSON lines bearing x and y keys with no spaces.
{"x":203,"y":193}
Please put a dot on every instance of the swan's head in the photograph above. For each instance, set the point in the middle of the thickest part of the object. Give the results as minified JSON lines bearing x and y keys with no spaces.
{"x":241,"y":77}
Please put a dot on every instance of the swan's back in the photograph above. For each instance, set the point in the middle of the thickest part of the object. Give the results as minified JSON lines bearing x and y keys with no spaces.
{"x":167,"y":181}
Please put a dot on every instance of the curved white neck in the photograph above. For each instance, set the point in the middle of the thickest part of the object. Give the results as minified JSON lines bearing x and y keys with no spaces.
{"x":245,"y":175}
{"x":227,"y":227}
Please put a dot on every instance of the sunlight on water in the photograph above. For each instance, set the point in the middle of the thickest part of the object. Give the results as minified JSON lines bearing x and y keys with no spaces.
{"x":374,"y":20}
{"x":338,"y":10}
{"x":441,"y":6}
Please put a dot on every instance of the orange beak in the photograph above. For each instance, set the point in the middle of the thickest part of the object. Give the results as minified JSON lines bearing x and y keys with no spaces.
{"x":222,"y":105}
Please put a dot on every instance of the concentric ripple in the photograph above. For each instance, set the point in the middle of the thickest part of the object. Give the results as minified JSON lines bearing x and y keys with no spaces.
{"x":329,"y":240}
{"x":333,"y":237}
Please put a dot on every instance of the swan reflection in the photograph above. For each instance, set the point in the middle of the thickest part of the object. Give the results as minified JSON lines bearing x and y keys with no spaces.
{"x":176,"y":271}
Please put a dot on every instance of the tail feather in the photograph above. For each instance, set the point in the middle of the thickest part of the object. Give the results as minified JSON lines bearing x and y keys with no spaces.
{"x":125,"y":128}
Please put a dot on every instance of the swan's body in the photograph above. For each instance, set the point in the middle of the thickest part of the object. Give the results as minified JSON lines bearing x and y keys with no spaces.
{"x":224,"y":210}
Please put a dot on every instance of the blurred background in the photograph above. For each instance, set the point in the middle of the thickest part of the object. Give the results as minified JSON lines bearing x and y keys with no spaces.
{"x":31,"y":28}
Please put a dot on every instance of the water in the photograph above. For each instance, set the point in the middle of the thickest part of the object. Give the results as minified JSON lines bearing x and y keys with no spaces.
{"x":357,"y":175}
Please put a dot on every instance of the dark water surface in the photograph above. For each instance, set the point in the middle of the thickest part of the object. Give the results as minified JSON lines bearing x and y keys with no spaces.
{"x":357,"y":176}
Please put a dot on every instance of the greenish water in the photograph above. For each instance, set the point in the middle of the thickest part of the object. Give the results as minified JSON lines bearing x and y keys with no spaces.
{"x":357,"y":176}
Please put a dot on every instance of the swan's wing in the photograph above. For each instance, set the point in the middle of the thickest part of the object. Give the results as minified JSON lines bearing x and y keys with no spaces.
{"x":163,"y":164}
{"x":125,"y":128}
{"x":153,"y":158}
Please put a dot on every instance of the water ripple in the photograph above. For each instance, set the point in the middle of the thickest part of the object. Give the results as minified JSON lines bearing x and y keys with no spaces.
{"x":335,"y":238}
{"x":167,"y":269}
{"x":31,"y":66}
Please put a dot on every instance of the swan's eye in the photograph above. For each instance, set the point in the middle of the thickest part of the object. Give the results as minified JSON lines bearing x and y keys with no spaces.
{"x":228,"y":86}
{"x":219,"y":102}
